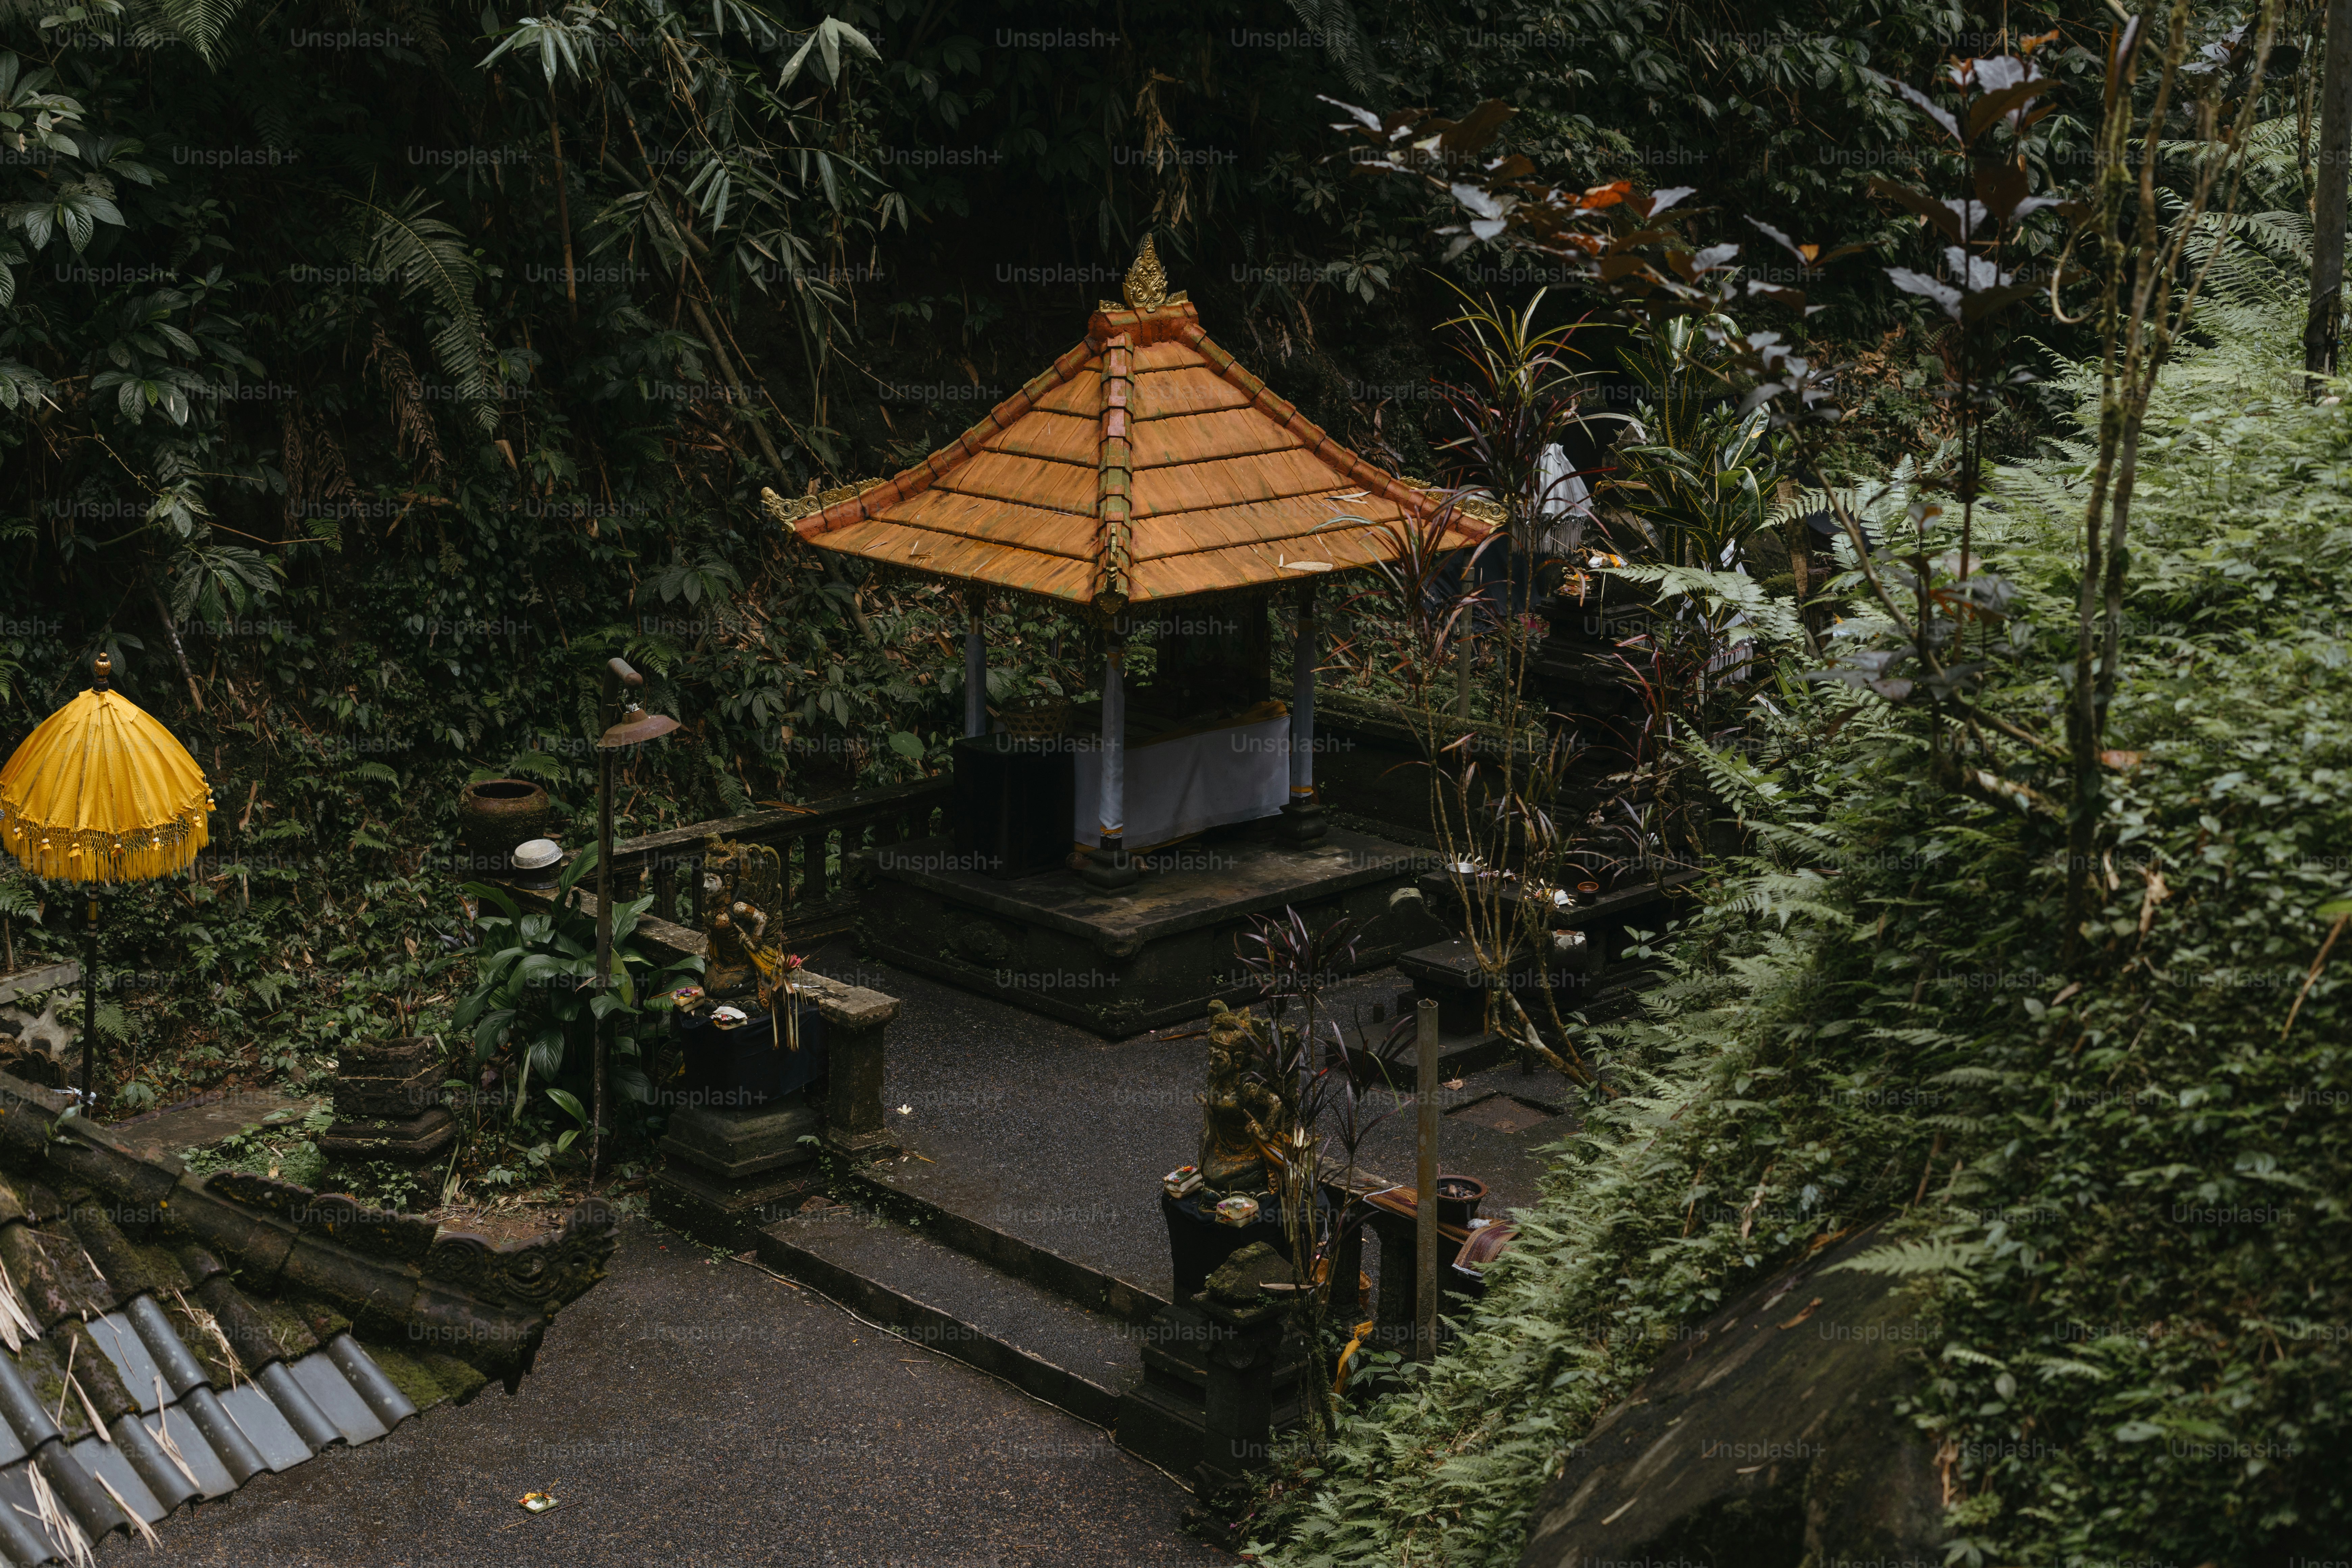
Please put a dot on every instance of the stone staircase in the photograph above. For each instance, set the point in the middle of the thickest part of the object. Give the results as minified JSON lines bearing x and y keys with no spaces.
{"x":907,"y":1278}
{"x":1104,"y":1349}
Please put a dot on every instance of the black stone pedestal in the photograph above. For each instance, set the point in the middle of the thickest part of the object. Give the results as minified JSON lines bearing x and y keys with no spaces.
{"x":1199,"y":1243}
{"x":734,"y":1170}
{"x":1108,"y":870}
{"x":1165,"y":1417}
{"x":739,"y":1161}
{"x":1301,"y":823}
{"x":1014,"y":797}
{"x":1447,"y":974}
{"x":1243,"y":1354}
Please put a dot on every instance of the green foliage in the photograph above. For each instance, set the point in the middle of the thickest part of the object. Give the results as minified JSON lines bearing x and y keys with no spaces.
{"x":2122,"y":1195}
{"x":279,"y":1145}
{"x":1694,"y":470}
{"x":538,"y":998}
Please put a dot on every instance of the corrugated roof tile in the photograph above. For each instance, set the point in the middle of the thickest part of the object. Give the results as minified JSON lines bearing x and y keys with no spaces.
{"x":267,"y":1428}
{"x":336,"y":1398}
{"x":231,"y":1371}
{"x":123,"y":1483}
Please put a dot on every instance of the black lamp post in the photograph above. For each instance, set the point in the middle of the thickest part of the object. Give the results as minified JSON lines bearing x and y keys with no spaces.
{"x":630,"y":725}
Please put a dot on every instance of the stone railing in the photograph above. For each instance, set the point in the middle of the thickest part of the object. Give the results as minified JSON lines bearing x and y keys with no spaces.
{"x":814,"y":842}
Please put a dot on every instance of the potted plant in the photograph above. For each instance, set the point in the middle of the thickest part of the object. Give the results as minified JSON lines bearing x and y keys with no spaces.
{"x":1307,"y":1064}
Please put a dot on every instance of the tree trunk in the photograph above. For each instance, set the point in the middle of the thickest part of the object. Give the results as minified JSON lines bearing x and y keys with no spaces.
{"x":2323,"y":327}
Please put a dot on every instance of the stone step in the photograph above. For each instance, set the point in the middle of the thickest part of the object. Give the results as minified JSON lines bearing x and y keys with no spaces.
{"x":937,"y":1297}
{"x":945,"y":1213}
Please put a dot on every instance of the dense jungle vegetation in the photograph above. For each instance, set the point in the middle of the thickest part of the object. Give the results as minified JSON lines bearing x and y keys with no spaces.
{"x":309,"y":426}
{"x":370,"y":374}
{"x":2118,"y":1185}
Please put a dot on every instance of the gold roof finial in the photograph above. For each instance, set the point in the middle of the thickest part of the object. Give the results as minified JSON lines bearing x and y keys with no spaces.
{"x":1146,"y":287}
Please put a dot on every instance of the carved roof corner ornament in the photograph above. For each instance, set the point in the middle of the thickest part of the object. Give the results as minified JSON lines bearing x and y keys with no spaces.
{"x":1146,"y":287}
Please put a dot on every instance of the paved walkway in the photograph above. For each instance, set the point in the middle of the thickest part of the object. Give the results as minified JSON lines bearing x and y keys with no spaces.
{"x":209,"y":1118}
{"x":705,"y":1415}
{"x":1060,"y":1137}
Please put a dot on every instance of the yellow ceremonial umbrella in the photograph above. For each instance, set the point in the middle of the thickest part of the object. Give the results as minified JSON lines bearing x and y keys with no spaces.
{"x":101,"y":793}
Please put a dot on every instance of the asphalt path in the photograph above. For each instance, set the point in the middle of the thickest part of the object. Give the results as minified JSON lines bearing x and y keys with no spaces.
{"x":699,"y":1412}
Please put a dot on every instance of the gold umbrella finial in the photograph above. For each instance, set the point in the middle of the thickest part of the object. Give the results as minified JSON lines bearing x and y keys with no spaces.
{"x":1146,"y":287}
{"x":103,"y":669}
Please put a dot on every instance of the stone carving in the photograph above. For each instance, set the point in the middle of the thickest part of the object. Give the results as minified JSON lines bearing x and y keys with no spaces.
{"x":539,"y":1274}
{"x":1146,"y":285}
{"x":1237,"y":1116}
{"x":741,"y":884}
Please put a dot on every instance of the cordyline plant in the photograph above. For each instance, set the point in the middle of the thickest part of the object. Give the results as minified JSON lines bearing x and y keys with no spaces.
{"x":1300,"y":1052}
{"x":1523,"y":823}
{"x":1497,"y":793}
{"x":1927,"y":633}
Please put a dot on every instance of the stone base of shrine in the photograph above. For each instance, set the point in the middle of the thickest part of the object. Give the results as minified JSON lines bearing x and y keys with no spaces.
{"x":1157,"y":952}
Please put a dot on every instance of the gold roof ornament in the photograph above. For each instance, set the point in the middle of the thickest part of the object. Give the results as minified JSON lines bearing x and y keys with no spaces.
{"x":791,"y":512}
{"x":1146,"y":287}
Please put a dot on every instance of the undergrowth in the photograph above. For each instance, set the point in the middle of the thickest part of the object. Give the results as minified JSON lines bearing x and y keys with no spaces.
{"x":2119,"y":1191}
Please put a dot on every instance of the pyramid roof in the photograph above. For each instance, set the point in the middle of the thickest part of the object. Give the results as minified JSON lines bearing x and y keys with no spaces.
{"x":1145,"y":464}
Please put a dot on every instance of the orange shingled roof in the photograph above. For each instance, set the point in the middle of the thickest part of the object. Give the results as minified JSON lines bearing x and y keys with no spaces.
{"x":1145,"y":464}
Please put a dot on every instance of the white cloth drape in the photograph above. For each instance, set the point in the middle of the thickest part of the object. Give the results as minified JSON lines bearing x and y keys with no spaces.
{"x":1180,"y":786}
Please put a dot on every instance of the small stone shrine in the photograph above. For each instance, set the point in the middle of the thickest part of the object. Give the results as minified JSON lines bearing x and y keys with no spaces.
{"x":774,"y":1063}
{"x":388,"y":1105}
{"x":1202,"y":1384}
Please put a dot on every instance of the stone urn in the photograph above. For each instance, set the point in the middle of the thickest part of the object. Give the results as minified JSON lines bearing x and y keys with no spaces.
{"x":495,"y":816}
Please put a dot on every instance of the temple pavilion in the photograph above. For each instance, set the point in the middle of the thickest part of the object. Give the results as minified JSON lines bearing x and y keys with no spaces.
{"x":1147,"y":476}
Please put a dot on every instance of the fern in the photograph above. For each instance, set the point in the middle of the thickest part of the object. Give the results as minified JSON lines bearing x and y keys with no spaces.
{"x":199,"y":24}
{"x":406,"y":242}
{"x":1343,"y":39}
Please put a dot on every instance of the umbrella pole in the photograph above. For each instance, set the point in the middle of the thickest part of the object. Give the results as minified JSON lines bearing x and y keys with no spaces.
{"x":89,"y":997}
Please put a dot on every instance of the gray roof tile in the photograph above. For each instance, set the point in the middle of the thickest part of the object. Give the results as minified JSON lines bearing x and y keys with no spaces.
{"x":325,"y":1382}
{"x":210,"y":1476}
{"x":22,"y":1536}
{"x":317,"y":1429}
{"x":166,"y":1483}
{"x":208,"y":1323}
{"x":119,"y":1338}
{"x":266,"y":1426}
{"x":370,"y":1382}
{"x":110,"y":1464}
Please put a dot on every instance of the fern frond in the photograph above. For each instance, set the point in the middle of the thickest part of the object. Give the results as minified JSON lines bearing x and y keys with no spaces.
{"x":198,"y":24}
{"x":405,"y":241}
{"x":1906,"y":1259}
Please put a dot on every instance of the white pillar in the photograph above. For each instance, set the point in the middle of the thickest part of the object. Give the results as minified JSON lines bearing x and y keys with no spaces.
{"x":1114,"y":748}
{"x":975,"y":663}
{"x":1302,"y":819}
{"x":1107,"y":868}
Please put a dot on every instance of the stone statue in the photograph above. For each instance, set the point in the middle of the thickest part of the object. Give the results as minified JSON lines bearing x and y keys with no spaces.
{"x":741,"y":883}
{"x":1237,"y":1116}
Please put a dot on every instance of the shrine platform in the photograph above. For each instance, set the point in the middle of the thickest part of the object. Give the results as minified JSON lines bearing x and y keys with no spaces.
{"x":1120,"y":963}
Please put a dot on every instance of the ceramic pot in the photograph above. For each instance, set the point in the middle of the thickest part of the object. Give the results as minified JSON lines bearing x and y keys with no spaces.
{"x":1458,"y":1198}
{"x":495,"y":815}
